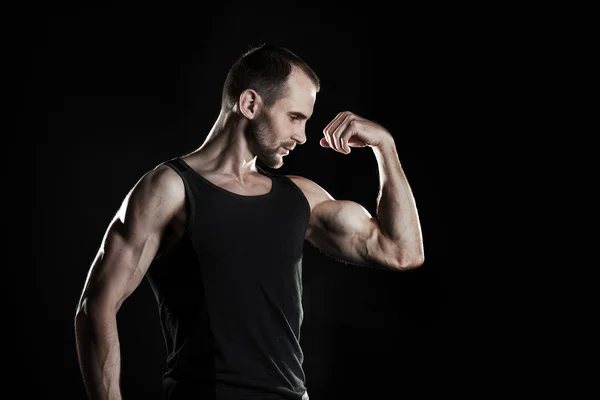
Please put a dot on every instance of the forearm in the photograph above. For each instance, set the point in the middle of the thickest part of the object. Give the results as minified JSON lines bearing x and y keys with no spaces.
{"x":99,"y":354}
{"x":396,"y":208}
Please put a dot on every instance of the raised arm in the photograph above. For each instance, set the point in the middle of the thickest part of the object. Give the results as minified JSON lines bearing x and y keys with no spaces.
{"x":129,"y":245}
{"x":344,"y":229}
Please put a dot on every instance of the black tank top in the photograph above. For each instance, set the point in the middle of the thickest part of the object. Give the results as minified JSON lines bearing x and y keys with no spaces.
{"x":229,"y":293}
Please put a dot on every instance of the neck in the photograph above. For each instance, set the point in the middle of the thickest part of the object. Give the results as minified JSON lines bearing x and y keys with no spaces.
{"x":226,"y":148}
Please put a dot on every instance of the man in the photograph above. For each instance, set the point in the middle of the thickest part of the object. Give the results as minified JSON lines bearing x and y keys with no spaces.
{"x":220,"y":241}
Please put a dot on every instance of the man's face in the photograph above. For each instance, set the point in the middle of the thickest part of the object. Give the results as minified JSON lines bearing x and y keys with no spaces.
{"x":283,"y":124}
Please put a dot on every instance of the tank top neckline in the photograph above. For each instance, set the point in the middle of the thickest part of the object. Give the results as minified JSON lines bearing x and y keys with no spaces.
{"x":227,"y":192}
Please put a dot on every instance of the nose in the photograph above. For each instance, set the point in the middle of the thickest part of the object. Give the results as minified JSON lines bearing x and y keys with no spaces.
{"x":299,"y":136}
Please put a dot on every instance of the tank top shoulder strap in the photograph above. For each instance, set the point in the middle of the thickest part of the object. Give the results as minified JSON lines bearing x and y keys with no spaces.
{"x":177,"y":164}
{"x":288,"y":181}
{"x":182,"y":169}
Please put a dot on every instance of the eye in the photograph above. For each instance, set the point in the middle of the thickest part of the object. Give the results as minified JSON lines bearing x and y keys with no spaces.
{"x":294,"y":118}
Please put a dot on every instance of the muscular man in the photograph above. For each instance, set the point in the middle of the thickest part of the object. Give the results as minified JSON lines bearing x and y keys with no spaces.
{"x":220,"y":241}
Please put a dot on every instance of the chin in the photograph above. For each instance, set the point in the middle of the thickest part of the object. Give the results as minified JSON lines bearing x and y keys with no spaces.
{"x":276,"y":165}
{"x":273,"y":160}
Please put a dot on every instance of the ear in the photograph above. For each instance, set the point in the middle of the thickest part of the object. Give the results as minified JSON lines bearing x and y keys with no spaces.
{"x":250,"y":103}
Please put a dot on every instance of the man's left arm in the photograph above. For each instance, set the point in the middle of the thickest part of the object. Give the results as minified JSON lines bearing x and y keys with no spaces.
{"x":344,"y":229}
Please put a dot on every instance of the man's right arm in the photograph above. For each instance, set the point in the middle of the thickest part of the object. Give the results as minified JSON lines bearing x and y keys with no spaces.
{"x":129,"y":245}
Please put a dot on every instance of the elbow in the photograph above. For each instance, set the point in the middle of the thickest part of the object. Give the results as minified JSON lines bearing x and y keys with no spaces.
{"x":91,"y":307}
{"x":82,"y":308}
{"x":82,"y":320}
{"x":400,"y":256}
{"x":83,"y":312}
{"x":92,"y":315}
{"x":405,"y":262}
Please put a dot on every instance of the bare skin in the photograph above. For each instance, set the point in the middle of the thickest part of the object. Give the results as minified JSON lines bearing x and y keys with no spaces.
{"x":153,"y":215}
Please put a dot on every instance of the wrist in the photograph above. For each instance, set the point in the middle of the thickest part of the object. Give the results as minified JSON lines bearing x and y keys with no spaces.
{"x":387,"y":145}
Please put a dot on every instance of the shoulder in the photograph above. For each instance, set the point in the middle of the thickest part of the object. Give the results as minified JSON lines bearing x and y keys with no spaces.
{"x":315,"y":194}
{"x":163,"y":180}
{"x":159,"y":189}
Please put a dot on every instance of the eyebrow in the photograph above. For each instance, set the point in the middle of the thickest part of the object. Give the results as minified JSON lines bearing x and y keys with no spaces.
{"x":299,"y":115}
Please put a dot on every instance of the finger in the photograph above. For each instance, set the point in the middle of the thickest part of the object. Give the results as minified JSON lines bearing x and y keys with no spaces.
{"x":327,"y":131}
{"x":342,"y":133}
{"x":332,"y":121}
{"x":344,"y":140}
{"x":338,"y":131}
{"x":331,"y":128}
{"x":337,"y":121}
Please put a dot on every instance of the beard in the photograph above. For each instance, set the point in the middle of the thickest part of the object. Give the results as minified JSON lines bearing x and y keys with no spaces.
{"x":260,"y":140}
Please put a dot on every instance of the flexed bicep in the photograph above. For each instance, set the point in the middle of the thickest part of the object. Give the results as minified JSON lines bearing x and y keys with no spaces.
{"x":345,"y":230}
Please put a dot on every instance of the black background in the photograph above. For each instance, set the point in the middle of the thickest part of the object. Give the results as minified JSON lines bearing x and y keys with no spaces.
{"x":111,"y":91}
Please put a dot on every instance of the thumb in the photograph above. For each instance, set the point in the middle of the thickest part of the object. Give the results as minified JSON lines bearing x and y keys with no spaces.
{"x":323,"y":142}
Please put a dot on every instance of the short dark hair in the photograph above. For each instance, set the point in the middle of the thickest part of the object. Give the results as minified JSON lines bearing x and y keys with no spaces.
{"x":264,"y":68}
